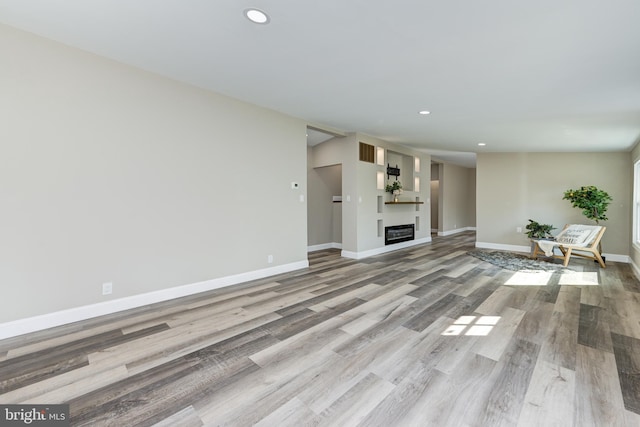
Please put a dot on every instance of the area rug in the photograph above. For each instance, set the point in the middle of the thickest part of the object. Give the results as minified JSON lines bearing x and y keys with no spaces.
{"x":517,"y":262}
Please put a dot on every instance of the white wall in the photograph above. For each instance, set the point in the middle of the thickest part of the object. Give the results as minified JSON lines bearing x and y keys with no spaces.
{"x":515,"y":187}
{"x":113,"y":174}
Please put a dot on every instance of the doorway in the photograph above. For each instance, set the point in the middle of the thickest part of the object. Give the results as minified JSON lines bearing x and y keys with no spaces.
{"x":324,"y":208}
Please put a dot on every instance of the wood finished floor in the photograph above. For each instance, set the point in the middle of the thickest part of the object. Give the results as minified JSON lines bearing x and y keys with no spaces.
{"x":426,"y":336}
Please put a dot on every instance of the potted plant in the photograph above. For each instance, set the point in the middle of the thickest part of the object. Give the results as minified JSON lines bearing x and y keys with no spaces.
{"x":395,"y":189}
{"x":593,"y":202}
{"x":536,"y":230}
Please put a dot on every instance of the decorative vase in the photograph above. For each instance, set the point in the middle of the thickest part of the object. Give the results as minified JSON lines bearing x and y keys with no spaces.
{"x":395,"y":198}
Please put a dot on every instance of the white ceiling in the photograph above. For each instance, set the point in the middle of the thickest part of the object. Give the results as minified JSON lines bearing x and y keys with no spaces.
{"x":535,"y":76}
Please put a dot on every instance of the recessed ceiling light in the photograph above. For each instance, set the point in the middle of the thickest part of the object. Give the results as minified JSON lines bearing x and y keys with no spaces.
{"x":424,"y":112}
{"x":481,"y":144}
{"x":257,"y":16}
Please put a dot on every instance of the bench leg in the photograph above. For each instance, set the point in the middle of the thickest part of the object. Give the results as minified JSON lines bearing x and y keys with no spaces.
{"x":600,"y":260}
{"x":536,"y":250}
{"x":567,"y":256}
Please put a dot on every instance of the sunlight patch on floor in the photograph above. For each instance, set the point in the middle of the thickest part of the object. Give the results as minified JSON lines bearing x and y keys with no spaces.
{"x":579,"y":278}
{"x":480,"y":327}
{"x":529,"y":278}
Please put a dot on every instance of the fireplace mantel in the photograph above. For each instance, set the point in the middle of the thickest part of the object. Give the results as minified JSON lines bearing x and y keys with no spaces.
{"x":403,"y":203}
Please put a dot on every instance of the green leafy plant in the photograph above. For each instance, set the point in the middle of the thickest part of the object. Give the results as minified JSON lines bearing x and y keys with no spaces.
{"x":392,"y":188}
{"x":593,"y":202}
{"x":536,"y":230}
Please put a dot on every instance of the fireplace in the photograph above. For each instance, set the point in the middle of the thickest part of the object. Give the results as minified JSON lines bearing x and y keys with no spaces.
{"x":399,"y":233}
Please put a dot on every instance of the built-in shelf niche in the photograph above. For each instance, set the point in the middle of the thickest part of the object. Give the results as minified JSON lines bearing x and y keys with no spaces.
{"x":380,"y":229}
{"x":406,"y":165}
{"x":380,"y":204}
{"x":380,"y":156}
{"x":380,"y":180}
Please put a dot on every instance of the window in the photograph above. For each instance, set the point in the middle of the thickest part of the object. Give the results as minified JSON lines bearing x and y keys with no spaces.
{"x":636,"y":204}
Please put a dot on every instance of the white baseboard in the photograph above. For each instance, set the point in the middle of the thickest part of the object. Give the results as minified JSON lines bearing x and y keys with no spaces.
{"x":617,"y":257}
{"x":63,"y":317}
{"x":323,"y":246}
{"x":456,"y":231}
{"x":384,"y":249}
{"x":527,"y":249}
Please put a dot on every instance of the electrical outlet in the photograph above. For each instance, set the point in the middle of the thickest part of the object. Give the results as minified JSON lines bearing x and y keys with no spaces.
{"x":270,"y":259}
{"x":518,"y":229}
{"x":107,"y":288}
